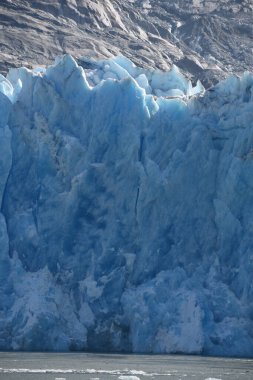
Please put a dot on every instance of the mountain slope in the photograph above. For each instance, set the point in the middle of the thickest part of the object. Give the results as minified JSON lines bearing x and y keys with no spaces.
{"x":206,"y":39}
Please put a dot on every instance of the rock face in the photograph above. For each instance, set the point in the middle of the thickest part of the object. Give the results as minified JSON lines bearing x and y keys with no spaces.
{"x":206,"y":39}
{"x":126,"y":222}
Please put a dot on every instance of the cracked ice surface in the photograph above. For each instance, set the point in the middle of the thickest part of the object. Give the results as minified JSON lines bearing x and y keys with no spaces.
{"x":126,"y":218}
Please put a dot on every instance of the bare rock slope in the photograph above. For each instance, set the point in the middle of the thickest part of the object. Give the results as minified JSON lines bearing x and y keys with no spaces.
{"x":206,"y":39}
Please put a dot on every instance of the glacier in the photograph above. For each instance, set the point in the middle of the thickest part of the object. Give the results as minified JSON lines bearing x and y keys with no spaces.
{"x":126,"y":210}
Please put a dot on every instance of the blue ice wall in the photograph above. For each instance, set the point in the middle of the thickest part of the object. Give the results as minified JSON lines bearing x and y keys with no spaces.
{"x":126,"y":218}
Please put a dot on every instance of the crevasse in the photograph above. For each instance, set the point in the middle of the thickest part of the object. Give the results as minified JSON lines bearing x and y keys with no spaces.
{"x":126,"y":210}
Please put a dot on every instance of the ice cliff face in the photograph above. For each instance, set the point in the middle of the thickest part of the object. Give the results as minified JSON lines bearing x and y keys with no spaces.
{"x":126,"y":218}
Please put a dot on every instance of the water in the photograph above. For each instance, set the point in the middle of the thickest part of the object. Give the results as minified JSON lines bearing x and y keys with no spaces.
{"x":82,"y":366}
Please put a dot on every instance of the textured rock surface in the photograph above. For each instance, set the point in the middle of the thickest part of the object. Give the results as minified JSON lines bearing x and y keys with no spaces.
{"x":207,"y":39}
{"x":126,"y":222}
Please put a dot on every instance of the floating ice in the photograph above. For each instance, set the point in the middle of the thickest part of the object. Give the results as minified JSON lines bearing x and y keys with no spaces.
{"x":126,"y":216}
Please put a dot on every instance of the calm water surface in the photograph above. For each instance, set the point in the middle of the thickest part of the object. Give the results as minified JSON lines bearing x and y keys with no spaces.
{"x":80,"y":366}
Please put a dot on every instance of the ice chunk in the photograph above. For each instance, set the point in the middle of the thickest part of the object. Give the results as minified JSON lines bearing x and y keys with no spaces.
{"x":128,"y":65}
{"x":5,"y":87}
{"x":198,"y":89}
{"x":172,"y":79}
{"x":142,"y":81}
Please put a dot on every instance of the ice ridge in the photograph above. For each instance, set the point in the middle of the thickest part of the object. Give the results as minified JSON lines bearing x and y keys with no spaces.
{"x":126,"y":210}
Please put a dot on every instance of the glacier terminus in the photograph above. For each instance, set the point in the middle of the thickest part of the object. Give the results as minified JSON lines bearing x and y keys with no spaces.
{"x":126,"y":218}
